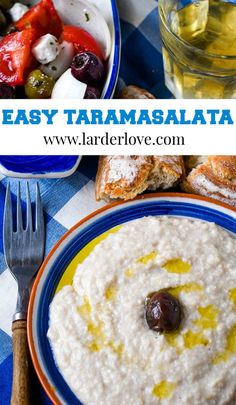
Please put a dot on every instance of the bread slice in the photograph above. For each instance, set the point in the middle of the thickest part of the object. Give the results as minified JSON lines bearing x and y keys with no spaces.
{"x":124,"y":177}
{"x":166,"y":172}
{"x":191,"y":162}
{"x":214,"y":178}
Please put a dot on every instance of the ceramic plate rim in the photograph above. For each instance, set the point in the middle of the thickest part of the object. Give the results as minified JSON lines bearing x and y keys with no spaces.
{"x":117,"y":52}
{"x":37,"y":175}
{"x":72,"y":232}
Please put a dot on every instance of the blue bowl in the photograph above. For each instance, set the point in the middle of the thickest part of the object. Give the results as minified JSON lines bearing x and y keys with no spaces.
{"x":38,"y":166}
{"x":62,"y":166}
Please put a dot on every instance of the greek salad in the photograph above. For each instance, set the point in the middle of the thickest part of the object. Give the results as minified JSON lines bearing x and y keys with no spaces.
{"x":42,"y":56}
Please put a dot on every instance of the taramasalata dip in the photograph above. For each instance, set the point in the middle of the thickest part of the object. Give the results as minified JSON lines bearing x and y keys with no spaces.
{"x":99,"y":335}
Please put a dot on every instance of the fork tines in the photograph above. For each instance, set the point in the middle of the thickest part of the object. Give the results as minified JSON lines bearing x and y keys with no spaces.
{"x":8,"y":215}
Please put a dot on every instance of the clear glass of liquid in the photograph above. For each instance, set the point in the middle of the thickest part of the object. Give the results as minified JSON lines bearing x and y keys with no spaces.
{"x":199,"y":47}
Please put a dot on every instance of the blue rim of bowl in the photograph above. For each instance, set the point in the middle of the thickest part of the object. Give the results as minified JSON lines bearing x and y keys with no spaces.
{"x":180,"y":205}
{"x":117,"y":52}
{"x":38,"y":166}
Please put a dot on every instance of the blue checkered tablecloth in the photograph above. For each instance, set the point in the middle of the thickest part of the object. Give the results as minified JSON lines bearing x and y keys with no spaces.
{"x":68,"y":200}
{"x":141,"y":61}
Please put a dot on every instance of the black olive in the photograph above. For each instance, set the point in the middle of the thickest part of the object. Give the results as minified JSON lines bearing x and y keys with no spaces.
{"x":3,"y":21}
{"x":88,"y":68}
{"x":92,"y":92}
{"x":163,"y":312}
{"x":6,"y":4}
{"x":20,"y":92}
{"x":6,"y":91}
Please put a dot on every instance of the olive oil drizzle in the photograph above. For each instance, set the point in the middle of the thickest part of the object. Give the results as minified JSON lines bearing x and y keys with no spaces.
{"x":147,"y":258}
{"x":110,"y":292}
{"x":96,"y":331}
{"x":177,"y":266}
{"x":208,"y":317}
{"x":163,"y":389}
{"x":232,"y":296}
{"x":193,"y":339}
{"x":230,"y":347}
{"x":185,"y":288}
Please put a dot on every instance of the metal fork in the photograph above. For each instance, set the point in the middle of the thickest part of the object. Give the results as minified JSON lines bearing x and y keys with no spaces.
{"x":24,"y":252}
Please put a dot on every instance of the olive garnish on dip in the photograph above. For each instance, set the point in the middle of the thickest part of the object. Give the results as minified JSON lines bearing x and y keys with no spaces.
{"x":163,"y":312}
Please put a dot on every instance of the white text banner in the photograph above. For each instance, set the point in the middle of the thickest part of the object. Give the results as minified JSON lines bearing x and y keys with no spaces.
{"x":118,"y":127}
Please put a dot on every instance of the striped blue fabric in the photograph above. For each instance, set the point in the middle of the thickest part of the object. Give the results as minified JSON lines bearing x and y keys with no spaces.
{"x":68,"y":200}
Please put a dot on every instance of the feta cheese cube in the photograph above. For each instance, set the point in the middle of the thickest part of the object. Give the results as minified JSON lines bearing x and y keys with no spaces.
{"x":46,"y":49}
{"x":17,"y":11}
{"x":57,"y":67}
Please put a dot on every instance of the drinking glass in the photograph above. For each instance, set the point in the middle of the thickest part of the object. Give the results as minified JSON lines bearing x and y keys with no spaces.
{"x":199,"y":47}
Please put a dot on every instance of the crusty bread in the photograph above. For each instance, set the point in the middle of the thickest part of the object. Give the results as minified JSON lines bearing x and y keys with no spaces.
{"x":124,"y":177}
{"x":224,"y":167}
{"x":191,"y":162}
{"x":166,"y":172}
{"x":215,"y":178}
{"x":132,"y":92}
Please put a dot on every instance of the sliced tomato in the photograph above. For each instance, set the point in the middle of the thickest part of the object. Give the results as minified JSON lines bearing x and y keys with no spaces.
{"x":16,"y":60}
{"x":81,"y":40}
{"x":43,"y":18}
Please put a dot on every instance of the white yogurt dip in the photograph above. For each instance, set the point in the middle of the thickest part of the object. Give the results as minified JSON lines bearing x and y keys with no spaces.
{"x":98,"y":334}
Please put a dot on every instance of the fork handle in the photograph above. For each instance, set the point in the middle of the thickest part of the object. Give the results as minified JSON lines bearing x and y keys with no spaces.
{"x":21,"y":364}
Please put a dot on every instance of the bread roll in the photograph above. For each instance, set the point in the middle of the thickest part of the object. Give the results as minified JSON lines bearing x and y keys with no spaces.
{"x":124,"y":177}
{"x":215,"y":178}
{"x":191,"y":162}
{"x":132,"y":92}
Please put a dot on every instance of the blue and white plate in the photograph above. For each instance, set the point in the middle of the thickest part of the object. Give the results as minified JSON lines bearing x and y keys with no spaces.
{"x":59,"y":267}
{"x":38,"y":166}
